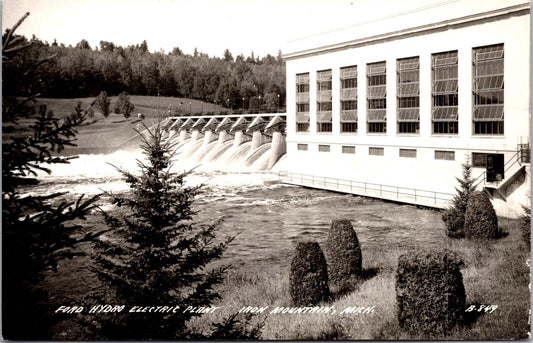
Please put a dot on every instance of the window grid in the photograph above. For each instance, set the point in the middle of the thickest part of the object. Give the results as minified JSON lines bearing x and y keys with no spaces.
{"x":410,"y":153}
{"x":324,"y":104}
{"x":488,"y":90}
{"x":445,"y":155}
{"x":376,"y":97}
{"x":479,"y":160}
{"x":302,"y":102}
{"x":302,"y":147}
{"x":324,"y":148}
{"x":346,"y":149}
{"x":444,"y":92}
{"x":376,"y":151}
{"x":348,"y":99}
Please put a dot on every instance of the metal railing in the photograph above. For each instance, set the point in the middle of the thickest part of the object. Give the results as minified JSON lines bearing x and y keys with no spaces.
{"x":404,"y":194}
{"x":525,"y":153}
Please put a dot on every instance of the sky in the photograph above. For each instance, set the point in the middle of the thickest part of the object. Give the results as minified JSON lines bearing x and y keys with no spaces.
{"x":211,"y":26}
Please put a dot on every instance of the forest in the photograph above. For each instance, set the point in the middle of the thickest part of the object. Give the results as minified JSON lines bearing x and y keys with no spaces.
{"x":83,"y":71}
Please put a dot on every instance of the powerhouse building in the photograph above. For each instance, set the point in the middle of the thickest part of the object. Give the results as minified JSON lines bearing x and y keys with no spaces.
{"x":392,"y":108}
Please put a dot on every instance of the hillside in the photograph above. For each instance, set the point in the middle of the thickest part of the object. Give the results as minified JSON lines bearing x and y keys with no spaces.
{"x":105,"y":135}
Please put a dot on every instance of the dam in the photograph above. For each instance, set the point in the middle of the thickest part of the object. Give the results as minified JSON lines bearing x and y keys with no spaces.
{"x":252,"y":141}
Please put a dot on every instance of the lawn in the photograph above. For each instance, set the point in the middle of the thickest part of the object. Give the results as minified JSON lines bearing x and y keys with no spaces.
{"x":104,"y":135}
{"x":495,"y":273}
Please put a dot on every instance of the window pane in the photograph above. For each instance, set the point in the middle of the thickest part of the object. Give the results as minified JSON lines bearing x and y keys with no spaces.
{"x":408,"y":153}
{"x":348,"y":105}
{"x":302,"y":108}
{"x":445,"y":100}
{"x":349,"y":72}
{"x":445,"y":114}
{"x":377,"y":104}
{"x":447,"y":86}
{"x":409,"y":102}
{"x":488,"y":113}
{"x":376,"y":151}
{"x":408,"y":89}
{"x":488,"y":68}
{"x":323,"y":117}
{"x":324,"y":127}
{"x":349,"y":83}
{"x":349,"y":116}
{"x":445,"y":155}
{"x":380,"y":127}
{"x":479,"y":159}
{"x":488,"y":97}
{"x":408,"y":114}
{"x":324,"y":148}
{"x":409,"y":76}
{"x":445,"y":73}
{"x":324,"y":106}
{"x":324,"y":75}
{"x":302,"y":117}
{"x":349,"y":127}
{"x":324,"y":86}
{"x":376,"y":92}
{"x":377,"y":116}
{"x":348,"y":149}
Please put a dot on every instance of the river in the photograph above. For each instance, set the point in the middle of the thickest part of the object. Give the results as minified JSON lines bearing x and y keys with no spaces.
{"x":268,"y":218}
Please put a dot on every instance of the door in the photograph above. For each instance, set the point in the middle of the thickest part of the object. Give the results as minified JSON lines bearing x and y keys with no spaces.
{"x":495,"y":167}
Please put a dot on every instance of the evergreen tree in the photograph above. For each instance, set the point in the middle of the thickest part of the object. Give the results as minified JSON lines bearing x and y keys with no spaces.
{"x":454,"y":217}
{"x":228,"y":57}
{"x":123,"y":105}
{"x":37,"y":230}
{"x":103,"y":103}
{"x":155,"y":255}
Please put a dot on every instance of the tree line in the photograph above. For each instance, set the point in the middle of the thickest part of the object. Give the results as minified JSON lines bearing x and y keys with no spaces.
{"x":81,"y":71}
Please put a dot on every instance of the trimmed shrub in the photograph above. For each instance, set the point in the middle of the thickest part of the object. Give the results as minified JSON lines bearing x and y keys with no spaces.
{"x":429,"y":292}
{"x":454,"y":220}
{"x":343,"y":252}
{"x":481,"y":221}
{"x":308,"y":275}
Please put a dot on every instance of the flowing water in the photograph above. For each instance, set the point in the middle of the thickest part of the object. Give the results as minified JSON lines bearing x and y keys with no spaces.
{"x":267,"y":218}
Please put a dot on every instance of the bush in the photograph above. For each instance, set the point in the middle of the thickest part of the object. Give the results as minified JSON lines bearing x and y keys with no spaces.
{"x":123,"y":105}
{"x":454,"y":217}
{"x":103,"y":103}
{"x":429,"y":292}
{"x":308,"y":275}
{"x":343,"y":251}
{"x":480,"y":219}
{"x":454,"y":221}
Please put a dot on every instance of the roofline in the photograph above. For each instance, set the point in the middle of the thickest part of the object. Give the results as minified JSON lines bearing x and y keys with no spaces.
{"x":521,"y":9}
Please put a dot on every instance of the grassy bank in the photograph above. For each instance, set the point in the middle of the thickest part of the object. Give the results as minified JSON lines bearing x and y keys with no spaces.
{"x":495,"y":273}
{"x":105,"y":135}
